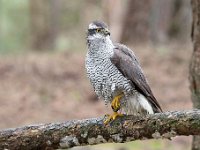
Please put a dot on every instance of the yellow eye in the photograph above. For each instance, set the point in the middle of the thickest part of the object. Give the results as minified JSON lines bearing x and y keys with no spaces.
{"x":97,"y":30}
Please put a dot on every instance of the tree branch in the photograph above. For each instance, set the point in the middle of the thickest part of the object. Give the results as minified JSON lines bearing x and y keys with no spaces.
{"x":93,"y":131}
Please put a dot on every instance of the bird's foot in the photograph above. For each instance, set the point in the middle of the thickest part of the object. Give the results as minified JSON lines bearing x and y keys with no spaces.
{"x":112,"y":117}
{"x":115,"y":104}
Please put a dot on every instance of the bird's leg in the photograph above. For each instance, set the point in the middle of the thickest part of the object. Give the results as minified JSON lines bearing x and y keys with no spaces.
{"x":115,"y":104}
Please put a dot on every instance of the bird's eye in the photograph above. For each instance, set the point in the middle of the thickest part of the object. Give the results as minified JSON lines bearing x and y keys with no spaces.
{"x":97,"y":30}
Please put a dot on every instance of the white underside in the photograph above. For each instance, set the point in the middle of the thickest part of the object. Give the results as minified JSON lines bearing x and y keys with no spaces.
{"x":138,"y":105}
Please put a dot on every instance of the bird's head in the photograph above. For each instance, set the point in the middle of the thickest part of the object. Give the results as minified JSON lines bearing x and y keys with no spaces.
{"x":97,"y":30}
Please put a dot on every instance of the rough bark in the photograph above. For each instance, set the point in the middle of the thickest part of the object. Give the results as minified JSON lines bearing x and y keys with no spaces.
{"x":93,"y":131}
{"x":195,"y":64}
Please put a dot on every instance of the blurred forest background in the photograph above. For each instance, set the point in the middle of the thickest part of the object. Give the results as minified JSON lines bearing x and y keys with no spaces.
{"x":42,"y":54}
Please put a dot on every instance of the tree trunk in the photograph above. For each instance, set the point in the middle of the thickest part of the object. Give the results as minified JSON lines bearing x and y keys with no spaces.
{"x":158,"y":21}
{"x":136,"y":24}
{"x":115,"y":17}
{"x":195,"y":64}
{"x":44,"y":15}
{"x":180,"y":20}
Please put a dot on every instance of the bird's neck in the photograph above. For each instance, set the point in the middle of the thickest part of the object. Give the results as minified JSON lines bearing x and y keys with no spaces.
{"x":101,"y":47}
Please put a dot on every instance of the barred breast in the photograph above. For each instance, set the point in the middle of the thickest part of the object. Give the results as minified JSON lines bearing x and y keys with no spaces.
{"x":105,"y":78}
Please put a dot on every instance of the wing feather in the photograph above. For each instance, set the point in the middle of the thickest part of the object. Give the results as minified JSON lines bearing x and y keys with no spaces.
{"x":126,"y":62}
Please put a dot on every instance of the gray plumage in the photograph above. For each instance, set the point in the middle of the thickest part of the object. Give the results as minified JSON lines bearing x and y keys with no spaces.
{"x":113,"y":69}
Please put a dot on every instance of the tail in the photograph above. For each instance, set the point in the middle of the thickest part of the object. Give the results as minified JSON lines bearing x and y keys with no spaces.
{"x":155,"y":105}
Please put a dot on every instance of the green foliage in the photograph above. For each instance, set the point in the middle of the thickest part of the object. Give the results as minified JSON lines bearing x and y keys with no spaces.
{"x":14,"y":16}
{"x":16,"y":29}
{"x":141,"y":145}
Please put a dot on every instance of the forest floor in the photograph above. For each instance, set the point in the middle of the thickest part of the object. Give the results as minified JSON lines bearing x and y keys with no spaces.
{"x":53,"y":87}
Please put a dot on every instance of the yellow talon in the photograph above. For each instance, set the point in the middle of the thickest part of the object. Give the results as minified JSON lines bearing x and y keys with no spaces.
{"x":112,"y":117}
{"x":116,"y":103}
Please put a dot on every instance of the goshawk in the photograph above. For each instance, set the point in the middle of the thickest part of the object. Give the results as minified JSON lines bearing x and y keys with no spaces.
{"x":116,"y":75}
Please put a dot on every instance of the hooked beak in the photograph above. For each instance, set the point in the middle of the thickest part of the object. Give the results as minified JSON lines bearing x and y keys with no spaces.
{"x":107,"y":32}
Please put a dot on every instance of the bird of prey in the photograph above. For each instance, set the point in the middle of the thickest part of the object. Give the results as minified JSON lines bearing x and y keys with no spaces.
{"x":116,"y":75}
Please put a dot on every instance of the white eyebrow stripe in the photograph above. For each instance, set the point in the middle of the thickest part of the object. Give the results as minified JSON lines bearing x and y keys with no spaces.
{"x":92,"y":26}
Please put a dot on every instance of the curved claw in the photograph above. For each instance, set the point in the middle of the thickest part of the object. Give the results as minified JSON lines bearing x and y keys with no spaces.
{"x":112,"y":117}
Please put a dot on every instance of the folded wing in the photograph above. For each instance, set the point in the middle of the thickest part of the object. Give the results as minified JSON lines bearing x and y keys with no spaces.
{"x":126,"y":62}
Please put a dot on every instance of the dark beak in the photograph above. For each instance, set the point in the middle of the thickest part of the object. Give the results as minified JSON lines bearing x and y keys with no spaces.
{"x":107,"y":32}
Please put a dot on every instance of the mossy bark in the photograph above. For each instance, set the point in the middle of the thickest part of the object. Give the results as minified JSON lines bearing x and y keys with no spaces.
{"x":195,"y":64}
{"x":93,"y":131}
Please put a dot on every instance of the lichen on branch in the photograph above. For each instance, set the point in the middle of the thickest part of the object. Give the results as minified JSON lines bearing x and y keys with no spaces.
{"x":93,"y":131}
